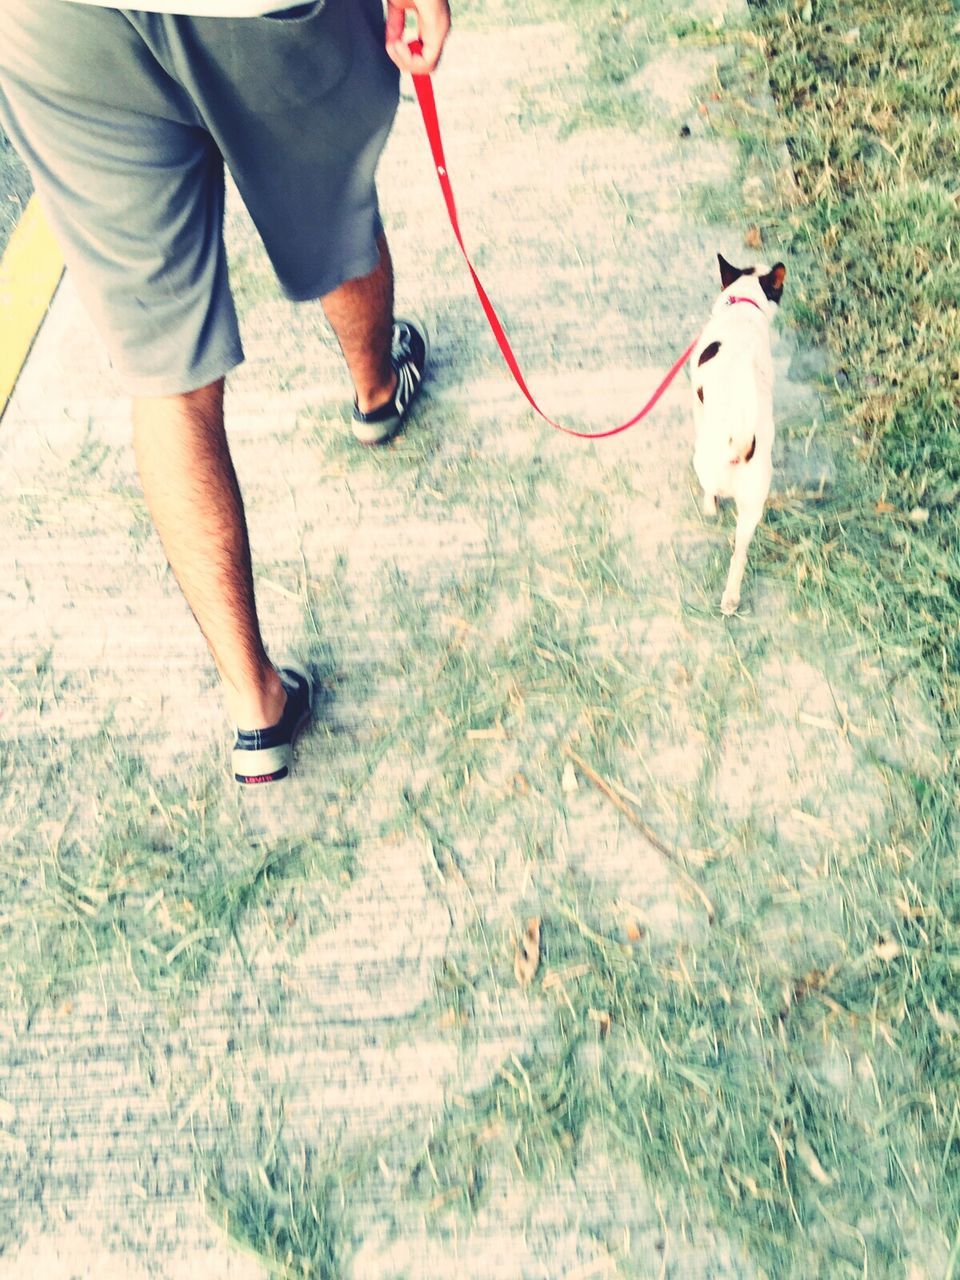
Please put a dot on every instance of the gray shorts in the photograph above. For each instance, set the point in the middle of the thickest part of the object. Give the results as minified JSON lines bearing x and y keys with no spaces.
{"x":125,"y":119}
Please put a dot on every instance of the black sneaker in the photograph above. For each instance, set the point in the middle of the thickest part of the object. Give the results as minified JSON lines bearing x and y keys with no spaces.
{"x":265,"y":755}
{"x":408,"y":355}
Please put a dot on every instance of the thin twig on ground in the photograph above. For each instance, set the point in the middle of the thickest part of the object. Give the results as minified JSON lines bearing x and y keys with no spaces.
{"x":672,"y":855}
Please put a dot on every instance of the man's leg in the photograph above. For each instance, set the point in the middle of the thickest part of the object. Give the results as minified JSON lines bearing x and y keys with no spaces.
{"x":191,"y":489}
{"x":361,"y":315}
{"x":192,"y":492}
{"x":180,"y":444}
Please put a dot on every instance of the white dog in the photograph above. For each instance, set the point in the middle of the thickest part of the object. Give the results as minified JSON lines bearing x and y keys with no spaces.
{"x":732,"y":373}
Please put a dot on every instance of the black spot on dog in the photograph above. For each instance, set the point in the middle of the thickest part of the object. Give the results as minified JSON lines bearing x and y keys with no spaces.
{"x":751,"y":451}
{"x":700,"y":394}
{"x":708,"y":352}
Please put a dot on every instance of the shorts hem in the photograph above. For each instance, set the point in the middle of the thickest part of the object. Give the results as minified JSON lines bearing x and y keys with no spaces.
{"x":190,"y":380}
{"x":355,"y":271}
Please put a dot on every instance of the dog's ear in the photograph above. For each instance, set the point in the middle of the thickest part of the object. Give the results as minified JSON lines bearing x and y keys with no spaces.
{"x":772,"y":282}
{"x":728,"y":273}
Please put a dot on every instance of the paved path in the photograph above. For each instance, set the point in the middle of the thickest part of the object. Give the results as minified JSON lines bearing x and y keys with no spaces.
{"x":320,"y":1002}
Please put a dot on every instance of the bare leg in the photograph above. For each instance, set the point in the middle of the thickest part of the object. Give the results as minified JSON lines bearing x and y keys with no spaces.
{"x":192,"y":492}
{"x":361,"y":315}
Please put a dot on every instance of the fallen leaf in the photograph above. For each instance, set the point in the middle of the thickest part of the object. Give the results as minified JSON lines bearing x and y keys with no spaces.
{"x":753,"y":239}
{"x":813,"y":1165}
{"x":526,"y":960}
{"x":816,"y":722}
{"x":634,"y":931}
{"x":443,"y":1198}
{"x":884,"y":508}
{"x":887,"y":950}
{"x":945,"y":1021}
{"x":919,"y":515}
{"x":455,"y":621}
{"x":602,"y":1018}
{"x":496,"y":734}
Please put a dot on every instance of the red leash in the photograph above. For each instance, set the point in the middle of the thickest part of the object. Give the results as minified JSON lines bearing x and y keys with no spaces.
{"x":428,"y":108}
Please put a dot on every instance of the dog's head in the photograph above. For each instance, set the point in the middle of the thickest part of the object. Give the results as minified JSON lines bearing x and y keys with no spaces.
{"x":761,"y":284}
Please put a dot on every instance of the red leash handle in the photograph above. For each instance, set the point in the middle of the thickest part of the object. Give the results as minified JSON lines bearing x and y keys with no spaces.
{"x":428,"y":108}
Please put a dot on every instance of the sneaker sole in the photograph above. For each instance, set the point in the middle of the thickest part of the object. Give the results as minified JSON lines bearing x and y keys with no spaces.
{"x":372,"y":434}
{"x":250,"y":768}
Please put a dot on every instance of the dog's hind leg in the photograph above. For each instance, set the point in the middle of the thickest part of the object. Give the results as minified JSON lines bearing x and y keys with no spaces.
{"x":747,"y":520}
{"x":708,"y":504}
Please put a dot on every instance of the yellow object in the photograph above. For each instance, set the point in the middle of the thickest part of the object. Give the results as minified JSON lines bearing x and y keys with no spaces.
{"x":30,"y":271}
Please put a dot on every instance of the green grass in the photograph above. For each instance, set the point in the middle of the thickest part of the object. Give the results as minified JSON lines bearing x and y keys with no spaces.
{"x":784,"y":1066}
{"x":805,"y":1093}
{"x":801,"y":1081}
{"x":868,"y":97}
{"x":139,"y":882}
{"x":286,"y":1211}
{"x":786,"y":1069}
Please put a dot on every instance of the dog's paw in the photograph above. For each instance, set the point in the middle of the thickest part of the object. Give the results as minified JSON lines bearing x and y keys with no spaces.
{"x":708,"y":505}
{"x":729,"y":604}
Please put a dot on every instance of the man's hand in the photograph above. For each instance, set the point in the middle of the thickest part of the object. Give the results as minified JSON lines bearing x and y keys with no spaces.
{"x":433,"y":23}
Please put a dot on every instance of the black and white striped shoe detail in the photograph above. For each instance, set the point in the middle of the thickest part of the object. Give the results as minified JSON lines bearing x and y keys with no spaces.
{"x":265,"y":755}
{"x":409,"y":352}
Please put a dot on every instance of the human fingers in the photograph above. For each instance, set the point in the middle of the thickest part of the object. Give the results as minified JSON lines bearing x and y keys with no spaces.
{"x":396,"y":16}
{"x":433,"y":22}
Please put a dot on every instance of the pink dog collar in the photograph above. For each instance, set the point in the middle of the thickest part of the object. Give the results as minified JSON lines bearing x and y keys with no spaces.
{"x":731,"y":300}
